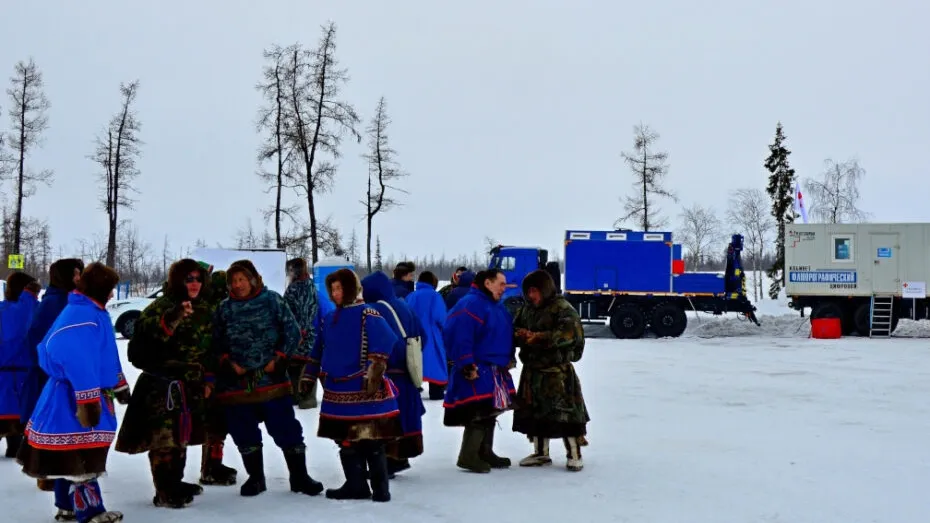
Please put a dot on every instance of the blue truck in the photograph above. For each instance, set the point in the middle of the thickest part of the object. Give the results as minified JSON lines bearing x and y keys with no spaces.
{"x":636,"y":280}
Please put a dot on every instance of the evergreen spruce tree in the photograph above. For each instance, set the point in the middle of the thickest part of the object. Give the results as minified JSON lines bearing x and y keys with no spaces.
{"x":781,"y":191}
{"x":379,"y":266}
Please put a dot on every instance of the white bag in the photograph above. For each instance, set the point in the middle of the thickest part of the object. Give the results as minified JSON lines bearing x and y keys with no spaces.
{"x":414,"y":350}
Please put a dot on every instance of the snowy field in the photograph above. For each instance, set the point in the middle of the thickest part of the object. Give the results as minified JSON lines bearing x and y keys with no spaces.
{"x":731,"y":423}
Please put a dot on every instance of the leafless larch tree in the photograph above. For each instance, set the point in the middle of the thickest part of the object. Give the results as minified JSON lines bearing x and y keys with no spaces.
{"x":649,"y":169}
{"x":318,"y":120}
{"x":29,"y":118}
{"x":117,"y":151}
{"x":383,"y":171}
{"x":835,"y":195}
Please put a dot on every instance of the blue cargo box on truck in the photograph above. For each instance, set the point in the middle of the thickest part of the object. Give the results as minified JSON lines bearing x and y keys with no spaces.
{"x":628,"y":278}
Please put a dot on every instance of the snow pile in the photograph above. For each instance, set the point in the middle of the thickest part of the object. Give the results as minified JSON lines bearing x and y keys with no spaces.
{"x":781,"y":326}
{"x":912,"y":329}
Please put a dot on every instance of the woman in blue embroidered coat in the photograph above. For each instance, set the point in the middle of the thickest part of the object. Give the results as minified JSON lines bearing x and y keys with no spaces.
{"x":16,"y":312}
{"x":428,"y":306}
{"x":359,"y":409}
{"x":479,"y":340}
{"x":257,"y":340}
{"x":70,"y":431}
{"x":378,"y":293}
{"x":64,"y":275}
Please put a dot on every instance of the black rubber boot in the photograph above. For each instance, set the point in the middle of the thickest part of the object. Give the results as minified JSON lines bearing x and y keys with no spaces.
{"x":397,"y":465}
{"x":296,"y":459}
{"x":436,"y":392}
{"x":487,"y":449}
{"x":353,"y":466}
{"x":212,"y":470}
{"x":254,"y":462}
{"x":13,"y":442}
{"x":469,"y":458}
{"x":378,"y":472}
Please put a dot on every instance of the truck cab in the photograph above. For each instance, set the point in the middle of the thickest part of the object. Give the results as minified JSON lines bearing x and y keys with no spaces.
{"x":516,"y":263}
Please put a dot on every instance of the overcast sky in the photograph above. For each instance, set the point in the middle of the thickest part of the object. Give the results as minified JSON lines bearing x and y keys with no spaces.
{"x":510,"y":116}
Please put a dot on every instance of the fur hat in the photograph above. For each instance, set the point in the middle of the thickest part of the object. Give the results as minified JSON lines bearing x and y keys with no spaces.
{"x":61,"y":273}
{"x":351,"y":286}
{"x":97,"y":282}
{"x":247,"y":268}
{"x":15,"y":284}
{"x":179,"y":271}
{"x":297,"y":268}
{"x":541,"y":281}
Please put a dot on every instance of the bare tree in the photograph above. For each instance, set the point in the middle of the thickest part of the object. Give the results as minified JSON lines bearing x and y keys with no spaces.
{"x":116,"y":153}
{"x":490,"y":243}
{"x":133,"y":257}
{"x":382,"y":171}
{"x":649,"y":170}
{"x":352,"y":248}
{"x":749,"y":210}
{"x":835,"y":196}
{"x":319,"y":119}
{"x":700,"y":232}
{"x":29,"y":118}
{"x":273,"y":119}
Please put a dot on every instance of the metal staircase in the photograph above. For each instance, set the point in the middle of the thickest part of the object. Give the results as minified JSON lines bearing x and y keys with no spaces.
{"x":880,"y":316}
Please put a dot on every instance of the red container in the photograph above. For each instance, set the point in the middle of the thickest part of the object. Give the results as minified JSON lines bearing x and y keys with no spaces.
{"x":826,"y":328}
{"x":678,"y":266}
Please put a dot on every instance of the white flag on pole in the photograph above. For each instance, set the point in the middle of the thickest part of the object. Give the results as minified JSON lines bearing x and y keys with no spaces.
{"x":799,"y":202}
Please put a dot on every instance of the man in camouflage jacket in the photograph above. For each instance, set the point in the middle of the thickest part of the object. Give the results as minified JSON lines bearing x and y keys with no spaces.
{"x":300,"y":297}
{"x":549,"y":402}
{"x":446,"y":289}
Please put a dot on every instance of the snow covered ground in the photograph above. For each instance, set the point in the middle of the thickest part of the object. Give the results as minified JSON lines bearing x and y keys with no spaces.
{"x":729,"y":423}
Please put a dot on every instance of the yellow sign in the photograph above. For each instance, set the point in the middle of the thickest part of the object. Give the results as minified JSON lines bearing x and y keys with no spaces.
{"x":16,"y":261}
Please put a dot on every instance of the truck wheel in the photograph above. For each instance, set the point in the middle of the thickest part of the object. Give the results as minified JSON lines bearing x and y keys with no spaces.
{"x":627,"y":322}
{"x":827,"y":310}
{"x":126,"y":324}
{"x":863,"y":320}
{"x":668,"y":320}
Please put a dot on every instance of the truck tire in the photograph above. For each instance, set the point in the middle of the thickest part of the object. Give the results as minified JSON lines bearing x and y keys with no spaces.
{"x":628,"y":322}
{"x":126,"y":323}
{"x":668,"y":320}
{"x":863,"y":319}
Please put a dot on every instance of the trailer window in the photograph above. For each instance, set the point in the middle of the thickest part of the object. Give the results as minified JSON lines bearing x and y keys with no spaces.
{"x":843,"y":249}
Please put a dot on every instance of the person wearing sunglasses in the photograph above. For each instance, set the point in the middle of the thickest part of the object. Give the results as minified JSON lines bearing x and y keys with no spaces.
{"x":168,"y":409}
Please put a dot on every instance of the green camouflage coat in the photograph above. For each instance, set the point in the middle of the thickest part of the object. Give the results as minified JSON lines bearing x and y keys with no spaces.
{"x":549,"y":402}
{"x":168,"y":408}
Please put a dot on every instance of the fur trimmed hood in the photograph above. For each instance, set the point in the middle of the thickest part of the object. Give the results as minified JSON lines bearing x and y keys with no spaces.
{"x":351,"y":286}
{"x":247,"y":268}
{"x":542,"y":281}
{"x":179,"y":271}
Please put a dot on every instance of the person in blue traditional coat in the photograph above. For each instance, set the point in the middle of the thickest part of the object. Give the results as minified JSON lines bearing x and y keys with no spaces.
{"x":70,"y":431}
{"x":428,"y":306}
{"x":403,"y":278}
{"x":257,"y":339}
{"x":359,"y":410}
{"x":378,"y":293}
{"x":16,"y":312}
{"x":479,"y":340}
{"x":64,"y":275}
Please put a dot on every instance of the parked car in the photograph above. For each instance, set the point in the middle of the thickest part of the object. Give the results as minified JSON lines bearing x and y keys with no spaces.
{"x":125,"y":312}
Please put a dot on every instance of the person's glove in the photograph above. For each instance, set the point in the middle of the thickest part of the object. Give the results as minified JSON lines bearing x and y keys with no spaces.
{"x":374,"y":377}
{"x":88,"y":414}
